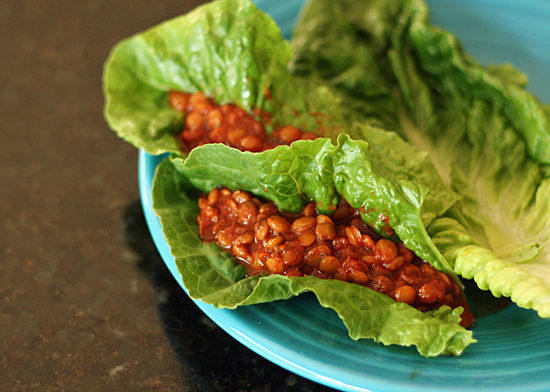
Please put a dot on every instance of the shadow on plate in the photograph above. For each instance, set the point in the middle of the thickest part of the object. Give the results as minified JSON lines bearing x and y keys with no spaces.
{"x":211,"y":359}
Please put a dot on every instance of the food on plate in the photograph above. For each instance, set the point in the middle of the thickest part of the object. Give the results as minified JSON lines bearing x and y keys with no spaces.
{"x":400,"y":190}
{"x":363,"y":78}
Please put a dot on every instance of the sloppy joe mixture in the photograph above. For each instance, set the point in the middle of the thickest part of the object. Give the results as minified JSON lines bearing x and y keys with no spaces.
{"x":266,"y":240}
{"x":208,"y":122}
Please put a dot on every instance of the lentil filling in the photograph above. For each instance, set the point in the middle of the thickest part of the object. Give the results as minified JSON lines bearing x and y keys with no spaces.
{"x":266,"y":240}
{"x":208,"y":122}
{"x":342,"y":247}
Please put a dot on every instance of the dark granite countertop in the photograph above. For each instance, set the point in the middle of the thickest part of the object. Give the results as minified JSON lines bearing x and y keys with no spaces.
{"x":85,"y":302}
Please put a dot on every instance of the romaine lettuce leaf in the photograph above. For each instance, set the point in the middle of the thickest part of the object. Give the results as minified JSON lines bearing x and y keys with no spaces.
{"x":212,"y":275}
{"x":327,"y":51}
{"x":227,"y":49}
{"x":396,"y":158}
{"x":487,"y":136}
{"x":317,"y":170}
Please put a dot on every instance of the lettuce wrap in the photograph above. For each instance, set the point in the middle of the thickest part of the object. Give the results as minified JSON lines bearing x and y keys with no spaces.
{"x":487,"y":136}
{"x":307,"y":170}
{"x":228,"y":50}
{"x":234,"y":53}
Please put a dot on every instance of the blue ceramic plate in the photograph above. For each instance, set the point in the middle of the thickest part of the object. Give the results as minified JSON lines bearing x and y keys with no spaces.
{"x":513,"y":349}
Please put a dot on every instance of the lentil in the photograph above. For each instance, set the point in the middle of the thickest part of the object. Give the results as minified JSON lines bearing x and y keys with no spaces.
{"x":303,"y":224}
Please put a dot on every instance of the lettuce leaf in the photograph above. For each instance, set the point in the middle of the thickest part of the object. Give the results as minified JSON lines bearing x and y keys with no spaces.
{"x":488,"y":138}
{"x":317,"y":170}
{"x":227,"y":49}
{"x":212,"y":275}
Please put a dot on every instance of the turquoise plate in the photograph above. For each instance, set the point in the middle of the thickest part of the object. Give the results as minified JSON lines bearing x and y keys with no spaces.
{"x":513,"y":349}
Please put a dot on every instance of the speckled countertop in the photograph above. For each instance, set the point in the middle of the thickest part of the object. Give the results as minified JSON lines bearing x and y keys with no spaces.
{"x":85,"y":302}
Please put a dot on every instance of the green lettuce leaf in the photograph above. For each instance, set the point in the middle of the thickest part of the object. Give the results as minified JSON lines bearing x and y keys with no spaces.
{"x":227,"y":49}
{"x":212,"y":275}
{"x":488,"y":138}
{"x":326,"y":50}
{"x":317,"y":170}
{"x":396,"y":158}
